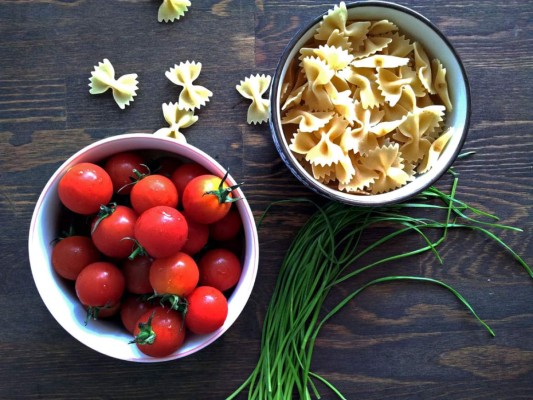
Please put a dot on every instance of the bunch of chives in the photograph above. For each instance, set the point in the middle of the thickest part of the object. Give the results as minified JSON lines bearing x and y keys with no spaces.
{"x":326,"y":252}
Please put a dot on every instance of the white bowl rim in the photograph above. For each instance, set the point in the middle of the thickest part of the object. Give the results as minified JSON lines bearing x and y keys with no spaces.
{"x":285,"y":153}
{"x":244,"y":286}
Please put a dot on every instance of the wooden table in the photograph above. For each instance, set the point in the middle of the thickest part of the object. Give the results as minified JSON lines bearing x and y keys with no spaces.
{"x":398,"y":341}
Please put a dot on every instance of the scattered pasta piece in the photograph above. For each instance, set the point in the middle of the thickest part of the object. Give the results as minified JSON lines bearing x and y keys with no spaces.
{"x":253,"y":88}
{"x":103,"y":79}
{"x":362,"y":106}
{"x":184,"y":74}
{"x":171,"y":10}
{"x":177,"y":119}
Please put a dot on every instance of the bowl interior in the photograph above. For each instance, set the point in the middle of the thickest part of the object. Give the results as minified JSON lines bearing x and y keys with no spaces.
{"x":415,"y":27}
{"x":58,"y":296}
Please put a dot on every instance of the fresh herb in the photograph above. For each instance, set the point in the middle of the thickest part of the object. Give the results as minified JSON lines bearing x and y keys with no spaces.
{"x":323,"y":254}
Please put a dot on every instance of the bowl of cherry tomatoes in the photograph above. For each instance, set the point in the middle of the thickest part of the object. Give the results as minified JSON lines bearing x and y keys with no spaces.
{"x":142,"y":248}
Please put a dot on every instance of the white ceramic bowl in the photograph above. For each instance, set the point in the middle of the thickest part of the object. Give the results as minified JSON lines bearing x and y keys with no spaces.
{"x":105,"y":337}
{"x":416,"y":27}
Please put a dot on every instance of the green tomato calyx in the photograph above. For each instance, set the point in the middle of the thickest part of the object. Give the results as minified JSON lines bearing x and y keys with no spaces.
{"x":146,"y":334}
{"x":223,"y":193}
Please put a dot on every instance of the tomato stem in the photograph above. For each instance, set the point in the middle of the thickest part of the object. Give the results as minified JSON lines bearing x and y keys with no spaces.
{"x":92,"y":313}
{"x":174,"y":301}
{"x":138,"y":249}
{"x":223,"y":193}
{"x":138,"y":176}
{"x":146,"y":334}
{"x":105,"y":211}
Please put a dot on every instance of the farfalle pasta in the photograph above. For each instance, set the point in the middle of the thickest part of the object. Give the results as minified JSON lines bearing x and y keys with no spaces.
{"x":253,"y":88}
{"x":307,"y":121}
{"x":171,"y":10}
{"x":177,"y":119}
{"x":184,"y":74}
{"x":103,"y":78}
{"x":363,"y":105}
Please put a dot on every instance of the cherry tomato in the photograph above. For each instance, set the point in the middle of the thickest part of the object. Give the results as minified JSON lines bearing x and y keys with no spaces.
{"x":85,"y":187}
{"x":159,"y":332}
{"x":151,"y":191}
{"x":207,"y":198}
{"x":197,"y":238}
{"x":206,"y":311}
{"x":99,"y":285}
{"x":183,"y":174}
{"x":133,"y":307}
{"x":176,"y":275}
{"x":219,"y":268}
{"x":137,"y":274}
{"x":226,"y":228}
{"x":161,"y":231}
{"x":120,"y":168}
{"x":113,"y":231}
{"x":71,"y":254}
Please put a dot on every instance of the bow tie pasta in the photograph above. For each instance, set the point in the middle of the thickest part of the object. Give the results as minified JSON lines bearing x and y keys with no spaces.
{"x":363,"y":106}
{"x":191,"y":96}
{"x":171,"y":10}
{"x":103,"y":78}
{"x":253,"y":88}
{"x":177,"y":118}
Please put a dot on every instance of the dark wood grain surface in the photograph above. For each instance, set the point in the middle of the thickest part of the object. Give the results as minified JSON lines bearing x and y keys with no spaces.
{"x":398,"y":341}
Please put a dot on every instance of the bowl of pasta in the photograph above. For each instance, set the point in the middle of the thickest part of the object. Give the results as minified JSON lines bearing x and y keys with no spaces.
{"x":153,"y":215}
{"x":370,"y":104}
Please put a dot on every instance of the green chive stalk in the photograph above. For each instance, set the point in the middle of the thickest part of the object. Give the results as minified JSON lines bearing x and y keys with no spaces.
{"x":327,"y":251}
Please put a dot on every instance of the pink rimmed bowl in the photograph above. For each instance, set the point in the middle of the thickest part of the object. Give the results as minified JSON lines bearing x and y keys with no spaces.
{"x":104,"y":336}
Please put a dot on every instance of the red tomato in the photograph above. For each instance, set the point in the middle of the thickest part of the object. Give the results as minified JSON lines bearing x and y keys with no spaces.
{"x":71,"y":254}
{"x":137,"y":274}
{"x":161,"y":231}
{"x":207,"y":198}
{"x":112,"y":232}
{"x":197,"y":238}
{"x":206,"y":311}
{"x":120,"y":168}
{"x":151,"y":191}
{"x":185,"y":173}
{"x":133,"y":307}
{"x":99,"y":285}
{"x":177,"y":275}
{"x":85,"y":187}
{"x":219,"y":268}
{"x":227,"y":228}
{"x":159,"y":332}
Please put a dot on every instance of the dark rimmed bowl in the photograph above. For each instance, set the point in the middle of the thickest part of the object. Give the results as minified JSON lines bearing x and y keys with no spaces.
{"x":416,"y":27}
